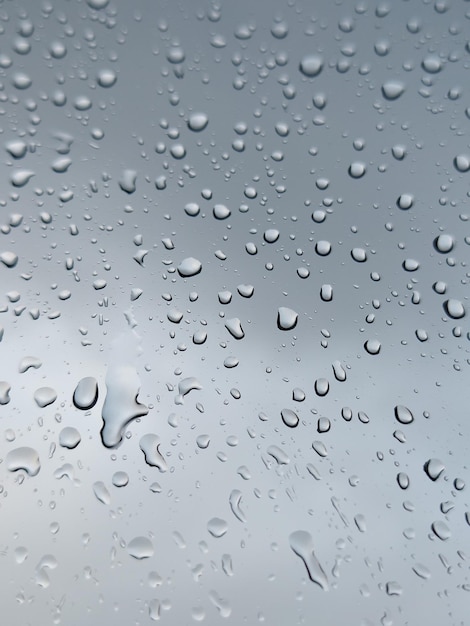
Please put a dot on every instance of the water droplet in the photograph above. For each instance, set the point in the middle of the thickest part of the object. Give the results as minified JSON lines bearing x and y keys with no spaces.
{"x":44,"y":396}
{"x":234,"y":327}
{"x":392,"y":588}
{"x":323,"y":425}
{"x":462,"y":163}
{"x":302,"y":545}
{"x":393,"y":89}
{"x":359,"y":255}
{"x":4,"y":392}
{"x":320,"y":448}
{"x":278,"y":455}
{"x":372,"y":346}
{"x":360,"y":522}
{"x":357,"y":169}
{"x":290,"y":418}
{"x":106,"y":78}
{"x":441,"y":530}
{"x":323,"y":248}
{"x":24,"y":458}
{"x":271,"y":235}
{"x":326,"y":293}
{"x":192,"y":209}
{"x":189,"y":267}
{"x":10,"y":259}
{"x":101,"y":492}
{"x":405,"y":201}
{"x":454,"y":308}
{"x":121,"y":405}
{"x":197,"y":121}
{"x":298,"y":395}
{"x":217,"y":527}
{"x":120,"y":479}
{"x":403,"y":480}
{"x":444,"y":243}
{"x":434,"y":468}
{"x":322,"y":386}
{"x":403,"y":414}
{"x":286,"y":318}
{"x":69,"y":437}
{"x":149,"y":444}
{"x":432,"y":64}
{"x":128,"y":180}
{"x":140,"y":548}
{"x":97,"y":4}
{"x":339,"y":371}
{"x":235,"y":501}
{"x":422,"y":571}
{"x":85,"y":395}
{"x":311,"y":65}
{"x":221,"y":212}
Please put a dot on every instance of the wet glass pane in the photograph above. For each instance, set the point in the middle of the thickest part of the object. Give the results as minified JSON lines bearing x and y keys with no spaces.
{"x":234,"y":341}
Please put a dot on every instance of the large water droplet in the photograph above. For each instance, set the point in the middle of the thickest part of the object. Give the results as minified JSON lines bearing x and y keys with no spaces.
{"x":197,"y":121}
{"x":149,"y":445}
{"x":286,"y":318}
{"x":311,"y":65}
{"x":434,"y":468}
{"x":403,"y":414}
{"x":217,"y":527}
{"x":45,"y":396}
{"x":85,"y":395}
{"x":26,"y":459}
{"x":393,"y":89}
{"x":140,"y":548}
{"x":290,"y":418}
{"x":302,"y":545}
{"x":189,"y":267}
{"x":69,"y":437}
{"x":454,"y":308}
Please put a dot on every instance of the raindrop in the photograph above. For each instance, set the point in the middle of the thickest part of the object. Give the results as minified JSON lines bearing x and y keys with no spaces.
{"x":101,"y":492}
{"x":405,"y":201}
{"x":217,"y":527}
{"x":393,"y":89}
{"x":301,"y":543}
{"x":286,"y":318}
{"x":26,"y":459}
{"x":140,"y":548}
{"x":197,"y":121}
{"x":120,"y":479}
{"x":69,"y":437}
{"x":434,"y":468}
{"x":44,"y":396}
{"x":441,"y":530}
{"x":462,"y":163}
{"x":149,"y":445}
{"x":221,"y":212}
{"x":357,"y":169}
{"x":289,"y":418}
{"x":454,"y":308}
{"x":106,"y":78}
{"x":189,"y":267}
{"x":311,"y":65}
{"x":85,"y":395}
{"x":322,"y":386}
{"x":403,"y":414}
{"x":359,"y":255}
{"x":234,"y":327}
{"x":323,"y":248}
{"x":372,"y":346}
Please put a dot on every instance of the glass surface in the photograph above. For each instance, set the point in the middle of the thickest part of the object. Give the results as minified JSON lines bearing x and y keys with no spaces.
{"x":234,"y":266}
